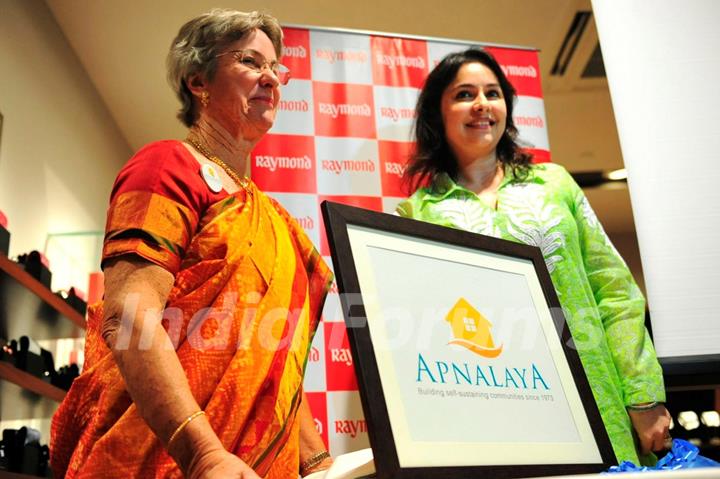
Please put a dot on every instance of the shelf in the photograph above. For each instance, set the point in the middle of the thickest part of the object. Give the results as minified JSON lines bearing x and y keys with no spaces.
{"x":16,"y":272}
{"x":30,"y":382}
{"x":15,"y":475}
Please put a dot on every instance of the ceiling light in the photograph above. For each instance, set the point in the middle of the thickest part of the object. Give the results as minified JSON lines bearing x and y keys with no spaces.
{"x":617,"y":175}
{"x":710,"y":418}
{"x":688,"y":420}
{"x":672,"y":424}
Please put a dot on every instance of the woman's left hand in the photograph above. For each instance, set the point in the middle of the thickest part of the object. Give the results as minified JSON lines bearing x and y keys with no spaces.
{"x":652,"y":427}
{"x":219,"y":463}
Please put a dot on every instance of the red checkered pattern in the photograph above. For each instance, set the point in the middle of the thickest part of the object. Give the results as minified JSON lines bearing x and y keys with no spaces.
{"x":343,"y":134}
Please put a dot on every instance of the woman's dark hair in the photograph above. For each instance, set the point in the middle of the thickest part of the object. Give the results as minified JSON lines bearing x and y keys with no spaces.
{"x":433,"y":155}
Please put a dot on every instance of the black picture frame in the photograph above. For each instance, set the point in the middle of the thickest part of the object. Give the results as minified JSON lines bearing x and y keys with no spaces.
{"x":342,"y":222}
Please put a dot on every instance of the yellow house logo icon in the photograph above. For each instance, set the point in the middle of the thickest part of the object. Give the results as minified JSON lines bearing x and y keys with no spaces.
{"x":472,"y":330}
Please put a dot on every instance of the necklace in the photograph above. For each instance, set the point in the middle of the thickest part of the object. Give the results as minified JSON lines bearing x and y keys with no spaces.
{"x":240,"y":181}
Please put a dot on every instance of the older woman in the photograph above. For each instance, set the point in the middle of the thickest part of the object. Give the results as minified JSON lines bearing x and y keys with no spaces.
{"x":480,"y":180}
{"x":195,"y":358}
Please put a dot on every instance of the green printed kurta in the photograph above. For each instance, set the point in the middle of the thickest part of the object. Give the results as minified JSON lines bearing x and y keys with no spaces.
{"x":603,"y":305}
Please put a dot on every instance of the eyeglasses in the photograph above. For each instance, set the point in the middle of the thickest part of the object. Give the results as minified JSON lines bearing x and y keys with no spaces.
{"x":254,"y":61}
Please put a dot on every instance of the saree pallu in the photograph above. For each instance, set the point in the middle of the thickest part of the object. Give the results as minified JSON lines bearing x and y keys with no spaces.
{"x":242,"y":313}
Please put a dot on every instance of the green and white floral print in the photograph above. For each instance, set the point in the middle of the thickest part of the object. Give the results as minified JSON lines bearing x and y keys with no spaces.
{"x":531,"y":221}
{"x":604,"y":308}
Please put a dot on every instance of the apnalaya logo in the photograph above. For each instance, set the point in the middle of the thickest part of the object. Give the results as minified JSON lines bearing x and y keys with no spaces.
{"x":471,"y":330}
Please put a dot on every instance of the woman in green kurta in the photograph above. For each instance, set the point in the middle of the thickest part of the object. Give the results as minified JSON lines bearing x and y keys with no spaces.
{"x":479,"y":180}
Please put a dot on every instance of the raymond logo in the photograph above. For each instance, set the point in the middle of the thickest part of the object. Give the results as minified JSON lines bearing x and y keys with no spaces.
{"x":350,"y":427}
{"x":397,"y":169}
{"x":528,"y":71}
{"x":394,"y":156}
{"x":344,"y":110}
{"x":294,"y":105}
{"x":295,"y":52}
{"x":397,"y":114}
{"x":471,"y":330}
{"x":314,"y":355}
{"x":530,"y":121}
{"x":341,"y":356}
{"x":284,"y":163}
{"x":338,"y":166}
{"x":333,"y":56}
{"x":522,"y":69}
{"x":273,"y":163}
{"x":399,"y":61}
{"x":339,"y":372}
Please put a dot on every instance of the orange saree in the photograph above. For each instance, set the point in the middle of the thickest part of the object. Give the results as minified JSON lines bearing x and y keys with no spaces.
{"x":248,"y":293}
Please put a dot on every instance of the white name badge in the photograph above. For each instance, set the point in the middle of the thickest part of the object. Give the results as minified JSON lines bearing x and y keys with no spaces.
{"x":211,"y":177}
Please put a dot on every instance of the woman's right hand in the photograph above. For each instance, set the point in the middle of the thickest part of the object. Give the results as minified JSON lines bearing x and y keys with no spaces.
{"x":219,"y":464}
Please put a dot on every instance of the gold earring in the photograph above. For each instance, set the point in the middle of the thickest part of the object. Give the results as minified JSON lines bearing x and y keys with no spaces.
{"x":204,"y":98}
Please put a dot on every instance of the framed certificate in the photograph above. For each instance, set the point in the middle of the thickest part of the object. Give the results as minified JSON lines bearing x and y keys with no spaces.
{"x":464,"y":362}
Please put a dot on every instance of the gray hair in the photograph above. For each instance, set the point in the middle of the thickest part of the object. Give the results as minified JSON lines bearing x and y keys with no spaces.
{"x":198,"y":42}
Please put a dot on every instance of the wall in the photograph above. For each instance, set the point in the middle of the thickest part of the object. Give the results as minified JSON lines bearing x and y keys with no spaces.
{"x":668,"y":147}
{"x":60,"y":149}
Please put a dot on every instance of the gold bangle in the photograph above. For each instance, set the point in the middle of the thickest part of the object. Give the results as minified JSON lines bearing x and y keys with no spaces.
{"x":313,"y":461}
{"x":183,"y":425}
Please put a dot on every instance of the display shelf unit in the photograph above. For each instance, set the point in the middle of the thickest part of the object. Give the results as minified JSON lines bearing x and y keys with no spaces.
{"x":11,"y":271}
{"x":15,"y":475}
{"x":29,"y":382}
{"x":29,"y":308}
